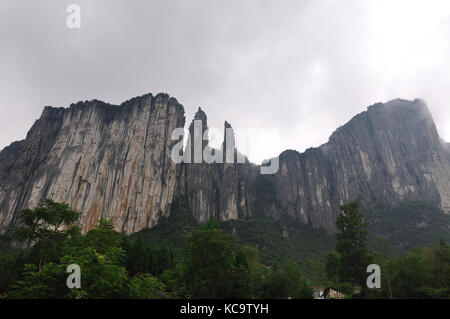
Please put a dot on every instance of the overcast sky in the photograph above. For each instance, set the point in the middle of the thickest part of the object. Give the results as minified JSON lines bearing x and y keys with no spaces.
{"x":304,"y":67}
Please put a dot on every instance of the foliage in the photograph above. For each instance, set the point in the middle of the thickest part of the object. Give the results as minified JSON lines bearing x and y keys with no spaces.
{"x":408,"y":225}
{"x":144,"y":286}
{"x":179,"y":258}
{"x":215,"y":266}
{"x":286,"y":281}
{"x":143,"y":258}
{"x":424,"y":273}
{"x":211,"y":263}
{"x":333,"y":266}
{"x":351,"y":244}
{"x":48,"y":227}
{"x":285,"y":239}
{"x":100,"y":256}
{"x":275,"y":240}
{"x":11,"y":266}
{"x":50,"y":283}
{"x":45,"y":222}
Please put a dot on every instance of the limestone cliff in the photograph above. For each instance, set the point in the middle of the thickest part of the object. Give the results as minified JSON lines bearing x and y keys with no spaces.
{"x":390,"y":153}
{"x":447,"y":146}
{"x":115,"y":162}
{"x":220,"y":190}
{"x":104,"y":160}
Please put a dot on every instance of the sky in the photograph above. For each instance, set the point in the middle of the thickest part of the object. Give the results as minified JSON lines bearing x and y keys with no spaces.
{"x":301,"y":67}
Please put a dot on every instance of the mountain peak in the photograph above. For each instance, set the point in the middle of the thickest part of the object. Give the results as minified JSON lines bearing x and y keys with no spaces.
{"x":115,"y":162}
{"x":396,"y":115}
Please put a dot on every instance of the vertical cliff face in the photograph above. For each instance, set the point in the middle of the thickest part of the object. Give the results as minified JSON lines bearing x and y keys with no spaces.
{"x":400,"y":154}
{"x":447,"y":147}
{"x":115,"y":162}
{"x":219,"y":190}
{"x":391,"y":153}
{"x":198,"y":181}
{"x":23,"y":161}
{"x":106,"y":161}
{"x":237,"y":174}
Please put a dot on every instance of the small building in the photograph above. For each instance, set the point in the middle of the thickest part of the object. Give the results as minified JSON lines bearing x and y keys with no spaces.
{"x":331,"y":293}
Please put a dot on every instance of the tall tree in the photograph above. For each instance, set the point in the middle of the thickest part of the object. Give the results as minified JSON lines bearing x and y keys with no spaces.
{"x":333,"y":267}
{"x":286,"y":281}
{"x":45,"y":227}
{"x":383,"y":254}
{"x":215,"y":266}
{"x":352,"y":245}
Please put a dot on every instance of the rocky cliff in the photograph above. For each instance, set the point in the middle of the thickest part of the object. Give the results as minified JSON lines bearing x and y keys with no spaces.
{"x":447,"y":146}
{"x":105,"y":160}
{"x":391,"y":153}
{"x":115,"y":162}
{"x":221,"y":190}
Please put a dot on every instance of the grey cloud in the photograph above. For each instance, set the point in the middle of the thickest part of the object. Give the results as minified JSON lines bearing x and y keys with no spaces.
{"x":305,"y":67}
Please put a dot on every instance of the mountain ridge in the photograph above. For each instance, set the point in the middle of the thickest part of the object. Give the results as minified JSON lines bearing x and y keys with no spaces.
{"x":114,"y":161}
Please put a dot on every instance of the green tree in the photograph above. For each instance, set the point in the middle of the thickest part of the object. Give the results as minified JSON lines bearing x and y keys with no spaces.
{"x":257,"y":271}
{"x":11,"y":267}
{"x":143,"y":258}
{"x":105,"y":241}
{"x":424,"y":273}
{"x":215,"y":266}
{"x":144,"y":286}
{"x":383,"y":255}
{"x":173,"y":280}
{"x":46,"y":227}
{"x":99,"y":256}
{"x":411,"y":276}
{"x":333,"y":267}
{"x":287,"y":281}
{"x":101,"y":259}
{"x":440,"y":269}
{"x":49,"y":283}
{"x":351,"y":244}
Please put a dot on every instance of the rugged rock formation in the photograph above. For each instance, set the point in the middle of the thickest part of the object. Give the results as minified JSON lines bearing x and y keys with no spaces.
{"x":114,"y":162}
{"x":447,"y":146}
{"x":391,"y":153}
{"x":106,"y":161}
{"x":220,"y":190}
